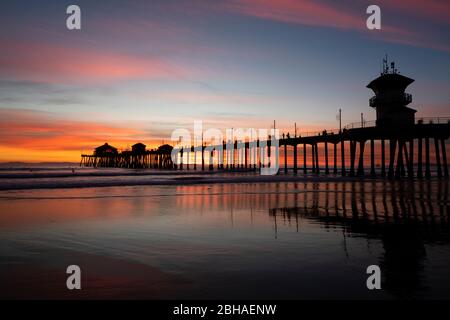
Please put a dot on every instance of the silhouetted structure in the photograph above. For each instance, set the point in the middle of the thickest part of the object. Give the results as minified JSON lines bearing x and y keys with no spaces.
{"x":390,"y":100}
{"x":105,"y":150}
{"x":138,"y":157}
{"x":138,"y":148}
{"x":395,"y":130}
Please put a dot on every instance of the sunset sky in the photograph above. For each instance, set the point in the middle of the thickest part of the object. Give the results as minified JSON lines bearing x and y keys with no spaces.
{"x":137,"y":70}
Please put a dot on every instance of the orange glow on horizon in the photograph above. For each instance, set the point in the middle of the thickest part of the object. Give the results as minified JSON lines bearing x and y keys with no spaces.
{"x":29,"y":136}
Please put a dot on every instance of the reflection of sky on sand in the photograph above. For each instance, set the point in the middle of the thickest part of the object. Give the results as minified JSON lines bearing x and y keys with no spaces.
{"x":284,"y":240}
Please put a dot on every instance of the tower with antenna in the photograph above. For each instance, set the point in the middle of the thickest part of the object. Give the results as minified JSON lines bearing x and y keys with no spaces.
{"x":391,"y":100}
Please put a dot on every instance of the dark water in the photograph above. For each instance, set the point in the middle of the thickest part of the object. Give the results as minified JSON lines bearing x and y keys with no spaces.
{"x":289,"y":240}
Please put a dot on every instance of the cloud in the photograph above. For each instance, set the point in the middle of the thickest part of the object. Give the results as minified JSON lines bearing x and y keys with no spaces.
{"x":58,"y":64}
{"x":436,"y":10}
{"x":339,"y":16}
{"x":206,"y":97}
{"x":304,"y":12}
{"x":20,"y":93}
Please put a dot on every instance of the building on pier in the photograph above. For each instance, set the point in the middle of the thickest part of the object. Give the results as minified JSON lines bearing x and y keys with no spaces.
{"x":391,"y":100}
{"x":105,"y":150}
{"x":138,"y":148}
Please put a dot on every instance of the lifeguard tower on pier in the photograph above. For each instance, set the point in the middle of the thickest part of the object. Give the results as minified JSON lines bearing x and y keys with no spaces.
{"x":391,"y":100}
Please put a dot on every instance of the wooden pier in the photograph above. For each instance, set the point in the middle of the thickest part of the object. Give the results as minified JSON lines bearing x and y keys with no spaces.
{"x":401,"y":160}
{"x":407,"y":147}
{"x":135,"y":159}
{"x":406,"y":151}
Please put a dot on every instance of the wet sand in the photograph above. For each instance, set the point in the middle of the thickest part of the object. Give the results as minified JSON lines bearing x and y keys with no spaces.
{"x":41,"y":276}
{"x":291,"y":240}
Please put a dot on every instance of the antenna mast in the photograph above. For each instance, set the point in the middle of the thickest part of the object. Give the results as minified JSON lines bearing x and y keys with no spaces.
{"x":385,"y":65}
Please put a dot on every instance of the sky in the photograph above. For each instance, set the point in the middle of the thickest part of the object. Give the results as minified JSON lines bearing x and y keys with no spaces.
{"x":137,"y":70}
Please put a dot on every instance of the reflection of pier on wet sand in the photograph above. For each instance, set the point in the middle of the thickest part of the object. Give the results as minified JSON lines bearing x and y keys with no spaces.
{"x":374,"y":202}
{"x":403,"y":223}
{"x":403,"y":218}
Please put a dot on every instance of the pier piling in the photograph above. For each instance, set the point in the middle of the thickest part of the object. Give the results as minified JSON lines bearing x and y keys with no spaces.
{"x":438,"y":157}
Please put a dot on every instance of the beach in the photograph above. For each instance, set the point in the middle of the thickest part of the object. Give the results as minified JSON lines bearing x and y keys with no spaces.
{"x":220,"y":236}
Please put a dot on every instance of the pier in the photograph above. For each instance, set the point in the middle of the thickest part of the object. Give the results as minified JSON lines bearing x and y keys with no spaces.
{"x":405,"y":146}
{"x":404,"y":152}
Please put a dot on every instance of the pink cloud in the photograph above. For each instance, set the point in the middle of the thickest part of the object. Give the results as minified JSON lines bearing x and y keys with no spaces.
{"x":51,"y":63}
{"x":321,"y":14}
{"x":305,"y":12}
{"x":437,"y":10}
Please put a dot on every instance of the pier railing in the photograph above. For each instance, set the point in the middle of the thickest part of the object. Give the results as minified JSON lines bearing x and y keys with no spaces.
{"x":368,"y":124}
{"x":433,"y":120}
{"x":317,"y":133}
{"x":423,"y":120}
{"x":364,"y":124}
{"x":405,"y":98}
